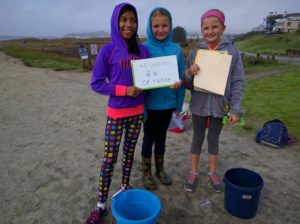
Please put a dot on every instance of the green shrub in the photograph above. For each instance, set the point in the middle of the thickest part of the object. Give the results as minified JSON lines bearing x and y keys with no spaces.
{"x":248,"y":61}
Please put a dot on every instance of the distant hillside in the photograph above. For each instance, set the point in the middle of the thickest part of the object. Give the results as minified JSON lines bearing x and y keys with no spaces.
{"x":11,"y":37}
{"x":269,"y":43}
{"x":97,"y":34}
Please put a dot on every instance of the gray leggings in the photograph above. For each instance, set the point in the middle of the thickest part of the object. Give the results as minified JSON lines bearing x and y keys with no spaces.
{"x":199,"y":128}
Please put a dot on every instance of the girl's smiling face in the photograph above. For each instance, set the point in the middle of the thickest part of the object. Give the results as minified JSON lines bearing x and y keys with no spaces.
{"x":160,"y":27}
{"x":212,"y":29}
{"x":127,"y":25}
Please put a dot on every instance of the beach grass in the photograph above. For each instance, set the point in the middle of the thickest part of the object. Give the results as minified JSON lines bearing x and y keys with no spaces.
{"x":273,"y":97}
{"x":269,"y":43}
{"x":41,"y":59}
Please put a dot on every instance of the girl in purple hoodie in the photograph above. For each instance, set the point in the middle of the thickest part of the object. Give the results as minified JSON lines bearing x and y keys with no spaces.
{"x":112,"y":77}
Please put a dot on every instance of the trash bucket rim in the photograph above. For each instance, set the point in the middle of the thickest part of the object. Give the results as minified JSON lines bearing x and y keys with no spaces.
{"x":259,"y":187}
{"x":117,"y":216}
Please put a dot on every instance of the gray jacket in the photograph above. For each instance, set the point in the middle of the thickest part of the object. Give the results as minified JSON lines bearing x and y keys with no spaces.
{"x":210,"y":104}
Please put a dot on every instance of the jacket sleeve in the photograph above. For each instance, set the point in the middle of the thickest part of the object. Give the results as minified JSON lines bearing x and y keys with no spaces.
{"x":187,"y":80}
{"x":100,"y":75}
{"x":237,"y":84}
{"x":181,"y":91}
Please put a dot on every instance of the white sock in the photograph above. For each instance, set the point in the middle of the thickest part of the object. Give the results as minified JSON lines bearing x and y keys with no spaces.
{"x":194,"y":173}
{"x":101,"y":205}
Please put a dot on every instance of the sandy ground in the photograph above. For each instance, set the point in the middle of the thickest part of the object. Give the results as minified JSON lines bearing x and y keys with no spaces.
{"x":51,"y":148}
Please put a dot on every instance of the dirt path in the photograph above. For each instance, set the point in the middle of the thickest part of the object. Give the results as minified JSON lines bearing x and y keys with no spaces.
{"x":51,"y":148}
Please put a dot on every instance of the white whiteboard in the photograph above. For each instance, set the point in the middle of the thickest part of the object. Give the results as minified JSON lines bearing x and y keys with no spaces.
{"x":155,"y":72}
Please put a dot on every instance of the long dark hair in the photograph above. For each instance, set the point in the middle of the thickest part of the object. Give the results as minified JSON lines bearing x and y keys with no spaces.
{"x":133,"y":42}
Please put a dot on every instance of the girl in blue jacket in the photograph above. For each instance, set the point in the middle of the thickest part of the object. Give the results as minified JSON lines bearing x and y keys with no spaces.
{"x":160,"y":103}
{"x":112,"y":76}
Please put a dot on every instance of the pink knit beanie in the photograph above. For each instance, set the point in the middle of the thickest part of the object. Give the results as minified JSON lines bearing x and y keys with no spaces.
{"x":214,"y":12}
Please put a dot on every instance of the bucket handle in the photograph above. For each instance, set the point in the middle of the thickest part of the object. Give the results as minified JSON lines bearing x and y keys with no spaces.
{"x":116,"y":194}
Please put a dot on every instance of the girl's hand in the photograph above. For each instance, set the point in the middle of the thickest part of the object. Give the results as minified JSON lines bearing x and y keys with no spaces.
{"x":176,"y":85}
{"x":193,"y":70}
{"x":133,"y":91}
{"x":233,"y":118}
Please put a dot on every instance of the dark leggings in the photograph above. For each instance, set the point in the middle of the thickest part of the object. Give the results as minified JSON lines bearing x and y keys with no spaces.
{"x":155,"y":131}
{"x":199,"y":129}
{"x":113,"y":135}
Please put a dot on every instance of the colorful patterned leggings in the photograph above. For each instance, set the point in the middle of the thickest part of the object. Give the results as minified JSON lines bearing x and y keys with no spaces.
{"x":113,"y":135}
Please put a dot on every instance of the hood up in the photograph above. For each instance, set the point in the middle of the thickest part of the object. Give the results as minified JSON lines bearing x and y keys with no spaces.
{"x":151,"y":39}
{"x":116,"y":36}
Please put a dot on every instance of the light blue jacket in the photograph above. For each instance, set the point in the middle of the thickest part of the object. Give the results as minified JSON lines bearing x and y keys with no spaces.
{"x":164,"y":98}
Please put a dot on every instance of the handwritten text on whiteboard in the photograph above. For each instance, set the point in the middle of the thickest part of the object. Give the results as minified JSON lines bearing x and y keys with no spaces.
{"x":155,"y":72}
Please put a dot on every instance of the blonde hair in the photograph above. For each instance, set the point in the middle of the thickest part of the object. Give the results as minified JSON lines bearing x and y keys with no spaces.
{"x":161,"y":12}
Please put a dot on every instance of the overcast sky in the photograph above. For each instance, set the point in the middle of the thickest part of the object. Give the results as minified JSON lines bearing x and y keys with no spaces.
{"x":58,"y":17}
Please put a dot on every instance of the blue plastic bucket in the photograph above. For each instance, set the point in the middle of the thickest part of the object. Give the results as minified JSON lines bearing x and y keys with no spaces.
{"x":136,"y":206}
{"x":242,"y":190}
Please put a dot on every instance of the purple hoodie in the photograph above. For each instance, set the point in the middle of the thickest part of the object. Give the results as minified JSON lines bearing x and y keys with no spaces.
{"x":112,"y":68}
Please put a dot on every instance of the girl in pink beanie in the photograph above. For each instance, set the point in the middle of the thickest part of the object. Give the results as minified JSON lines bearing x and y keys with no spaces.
{"x":214,"y":13}
{"x":209,"y":108}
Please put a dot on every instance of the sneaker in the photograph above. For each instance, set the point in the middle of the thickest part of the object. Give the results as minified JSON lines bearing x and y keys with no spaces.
{"x":96,"y":216}
{"x":216,"y":182}
{"x":191,"y":182}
